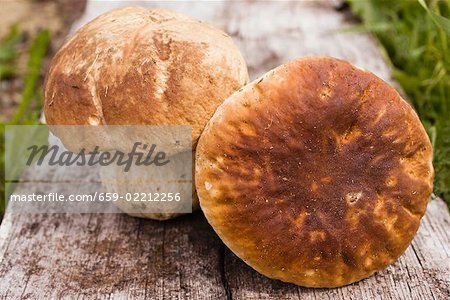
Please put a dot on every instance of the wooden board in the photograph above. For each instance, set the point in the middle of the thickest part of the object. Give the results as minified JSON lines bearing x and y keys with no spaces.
{"x":114,"y":256}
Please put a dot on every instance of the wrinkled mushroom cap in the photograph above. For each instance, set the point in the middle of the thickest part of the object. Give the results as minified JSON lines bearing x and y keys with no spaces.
{"x":134,"y":66}
{"x":318,"y":173}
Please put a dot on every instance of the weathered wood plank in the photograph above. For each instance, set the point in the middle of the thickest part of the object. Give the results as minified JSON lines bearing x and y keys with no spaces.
{"x":111,"y":255}
{"x":102,"y":256}
{"x":108,"y":256}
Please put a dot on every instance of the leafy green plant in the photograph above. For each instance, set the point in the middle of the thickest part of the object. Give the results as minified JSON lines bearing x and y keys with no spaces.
{"x":8,"y":53}
{"x":29,"y":107}
{"x":416,"y":38}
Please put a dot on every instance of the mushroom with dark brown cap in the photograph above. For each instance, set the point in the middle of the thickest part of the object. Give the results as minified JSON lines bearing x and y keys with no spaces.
{"x":318,"y":173}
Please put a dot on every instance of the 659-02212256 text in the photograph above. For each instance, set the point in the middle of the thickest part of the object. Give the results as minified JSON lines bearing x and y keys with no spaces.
{"x":97,"y":197}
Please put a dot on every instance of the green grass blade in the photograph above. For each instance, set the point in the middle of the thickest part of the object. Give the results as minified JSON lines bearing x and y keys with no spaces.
{"x":440,"y":21}
{"x":37,"y":52}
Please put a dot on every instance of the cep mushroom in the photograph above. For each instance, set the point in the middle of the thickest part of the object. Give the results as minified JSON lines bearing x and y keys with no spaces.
{"x":134,"y":66}
{"x":318,"y":173}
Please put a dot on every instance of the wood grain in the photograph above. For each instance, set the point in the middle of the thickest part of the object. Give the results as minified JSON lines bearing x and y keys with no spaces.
{"x":113,"y":256}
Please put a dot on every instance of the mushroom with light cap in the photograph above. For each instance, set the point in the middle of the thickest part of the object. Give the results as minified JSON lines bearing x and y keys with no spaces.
{"x":134,"y":66}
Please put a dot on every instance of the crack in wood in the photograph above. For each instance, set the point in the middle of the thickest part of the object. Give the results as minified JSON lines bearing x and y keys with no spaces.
{"x":223,"y":274}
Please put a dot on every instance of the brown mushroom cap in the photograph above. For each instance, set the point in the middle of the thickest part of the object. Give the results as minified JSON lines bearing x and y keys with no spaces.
{"x":138,"y":66}
{"x":318,"y":173}
{"x":134,"y":66}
